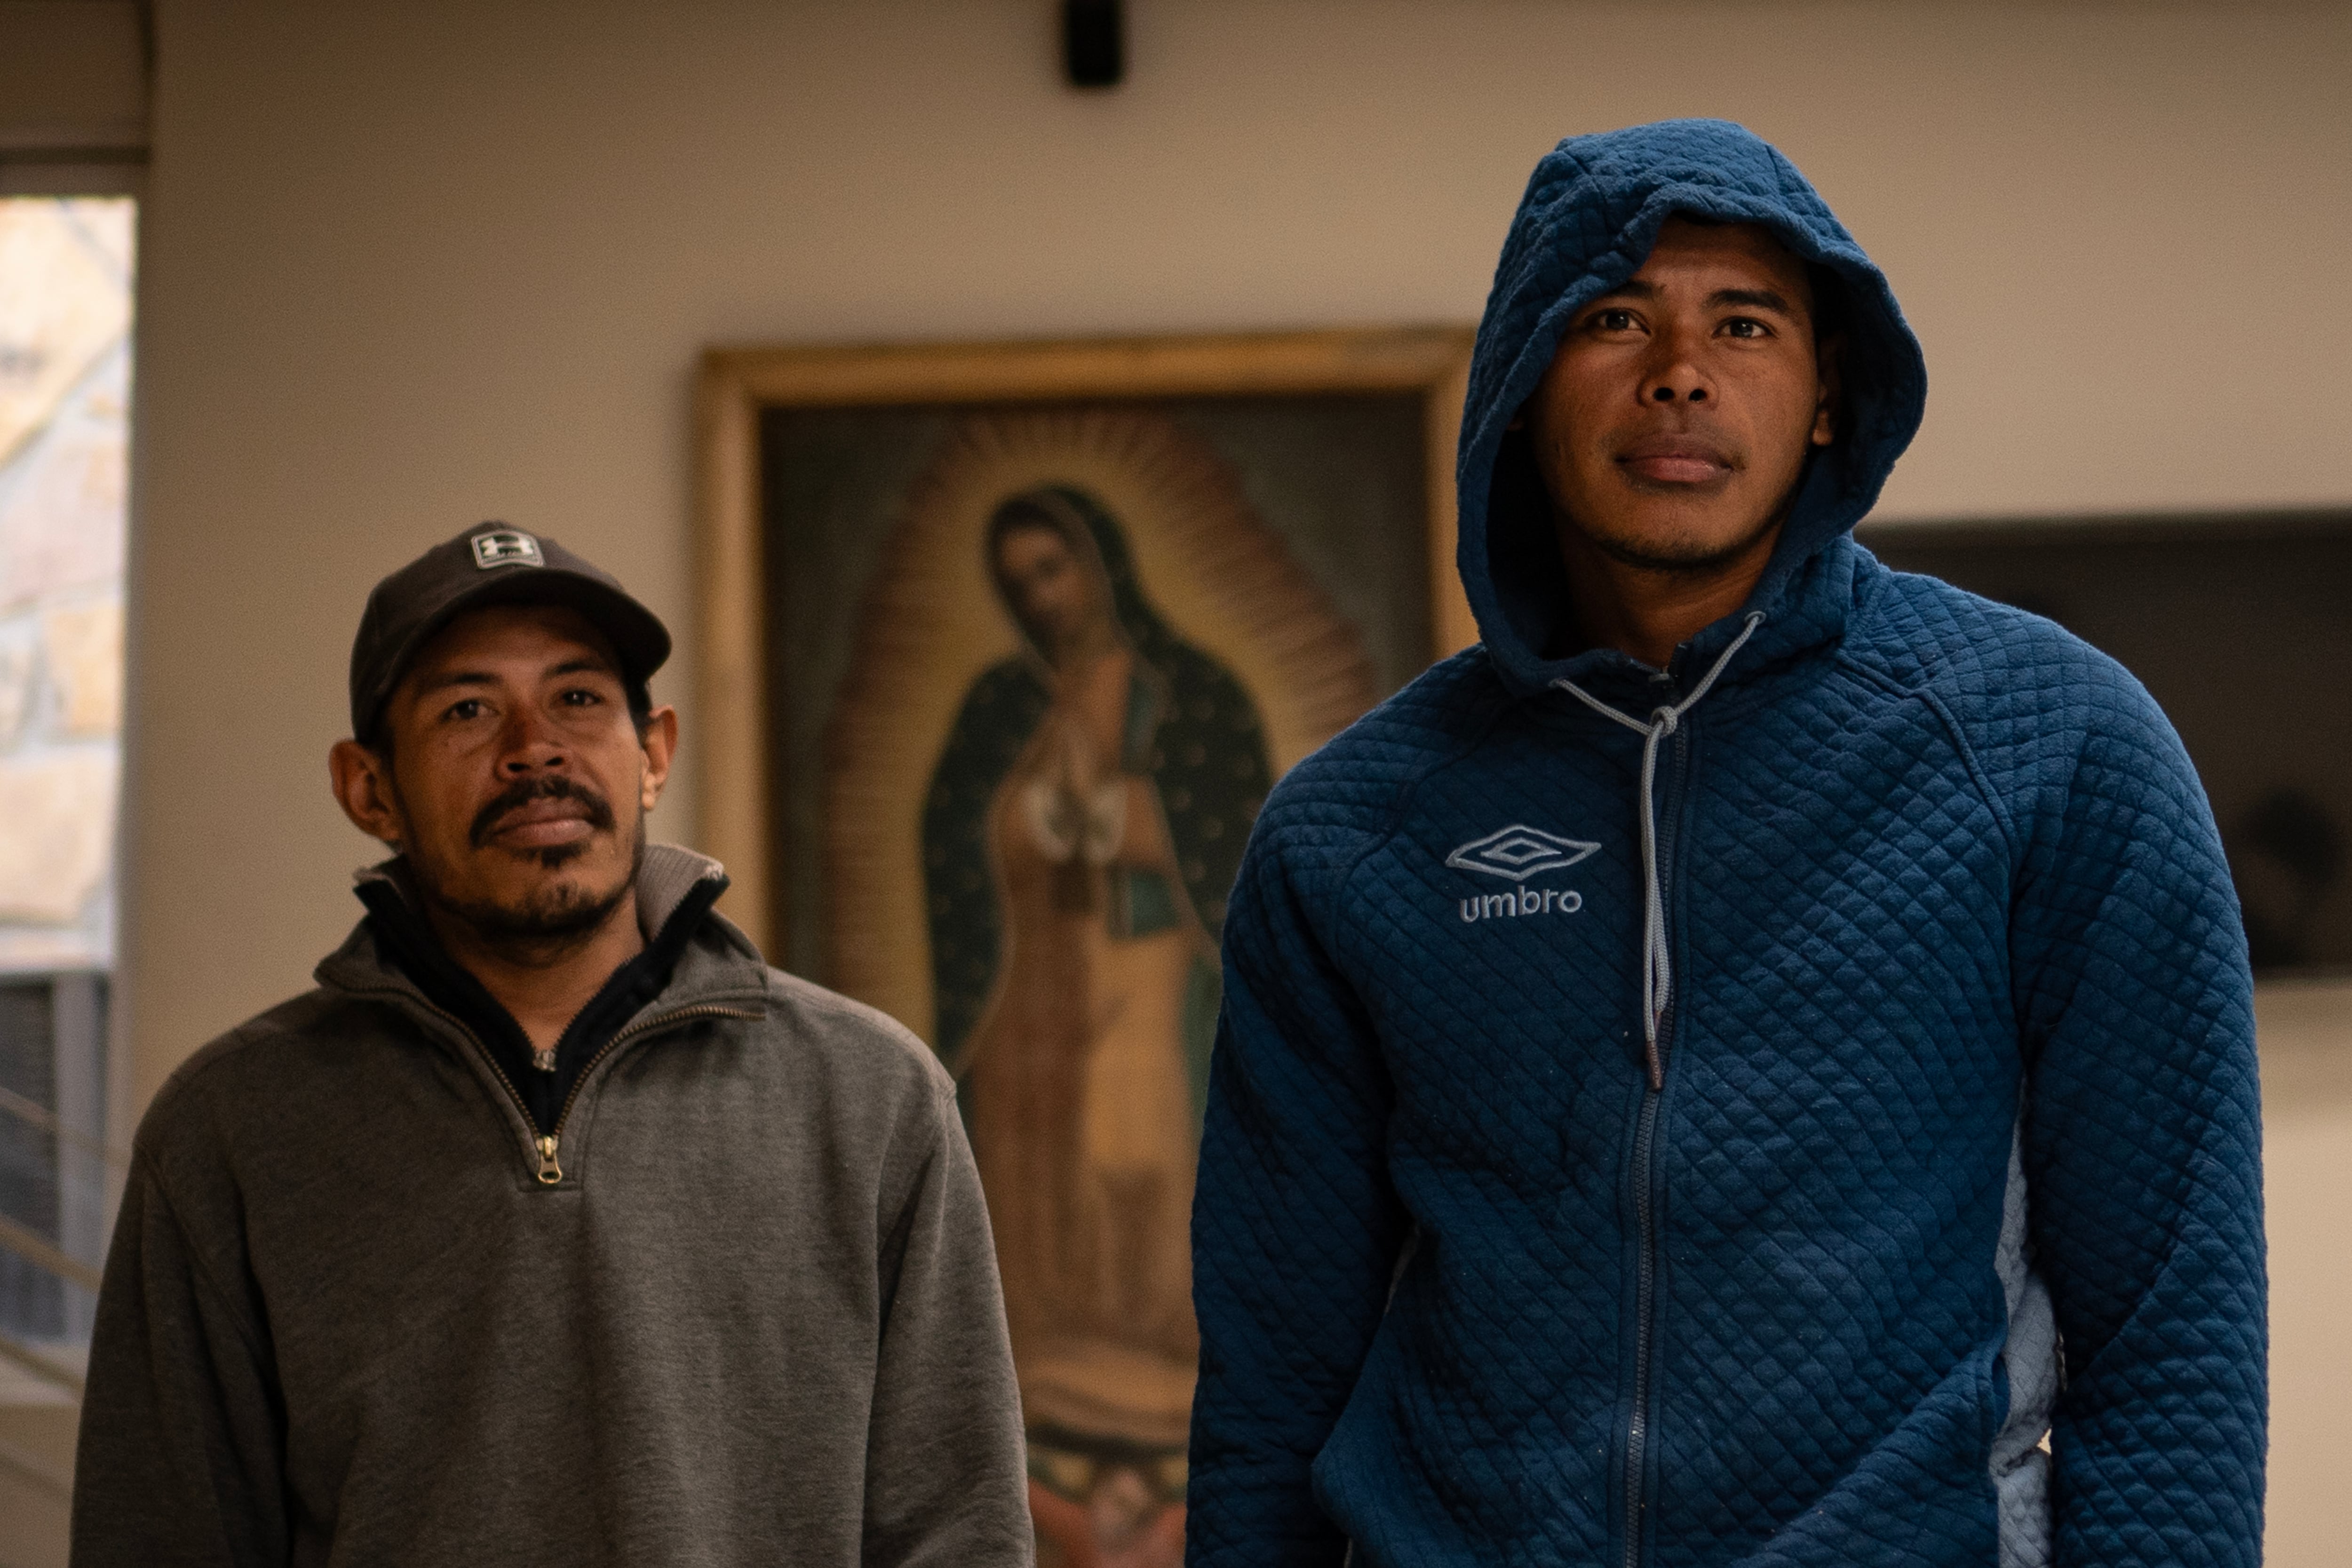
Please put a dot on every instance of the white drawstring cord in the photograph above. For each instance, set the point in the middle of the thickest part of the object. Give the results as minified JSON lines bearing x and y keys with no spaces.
{"x":1657,"y":970}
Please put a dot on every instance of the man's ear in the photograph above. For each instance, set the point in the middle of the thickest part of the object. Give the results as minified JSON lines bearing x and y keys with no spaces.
{"x":1829,"y":361}
{"x":363,"y":788}
{"x":660,"y":743}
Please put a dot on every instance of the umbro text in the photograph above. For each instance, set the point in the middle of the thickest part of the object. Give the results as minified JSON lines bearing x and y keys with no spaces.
{"x":1526,"y":902}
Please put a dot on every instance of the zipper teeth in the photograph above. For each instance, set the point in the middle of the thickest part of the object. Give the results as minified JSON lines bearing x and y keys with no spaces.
{"x":1645,"y":1212}
{"x":488,"y":1059}
{"x":1637,"y":1424}
{"x":522,"y":1107}
{"x":700,"y":1010}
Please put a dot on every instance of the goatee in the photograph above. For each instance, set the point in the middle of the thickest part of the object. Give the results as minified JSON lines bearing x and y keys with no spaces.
{"x":546,"y":917}
{"x":550,"y":918}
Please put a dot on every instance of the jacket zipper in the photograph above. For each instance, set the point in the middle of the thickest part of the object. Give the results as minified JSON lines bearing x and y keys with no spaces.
{"x":466,"y":1032}
{"x":544,"y":1145}
{"x":1645,"y":1172}
{"x":551,"y":1170}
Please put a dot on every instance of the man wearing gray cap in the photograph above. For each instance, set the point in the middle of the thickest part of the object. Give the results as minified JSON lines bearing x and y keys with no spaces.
{"x":553,"y":1226}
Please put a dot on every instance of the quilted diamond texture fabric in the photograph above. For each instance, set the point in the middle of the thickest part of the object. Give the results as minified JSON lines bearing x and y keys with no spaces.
{"x":1944,"y":900}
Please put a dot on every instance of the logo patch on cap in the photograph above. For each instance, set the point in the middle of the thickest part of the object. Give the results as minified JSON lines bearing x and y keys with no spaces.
{"x":506,"y":547}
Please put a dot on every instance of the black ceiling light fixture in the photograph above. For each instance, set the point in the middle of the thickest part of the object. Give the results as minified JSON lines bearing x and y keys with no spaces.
{"x":1094,"y":42}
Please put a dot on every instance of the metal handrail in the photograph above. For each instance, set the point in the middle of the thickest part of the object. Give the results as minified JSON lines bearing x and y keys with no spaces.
{"x":37,"y":1250}
{"x":42,"y":1117}
{"x":47,"y":1368}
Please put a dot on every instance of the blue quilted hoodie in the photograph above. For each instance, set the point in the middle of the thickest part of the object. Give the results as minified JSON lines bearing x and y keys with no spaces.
{"x":1955,"y":1137}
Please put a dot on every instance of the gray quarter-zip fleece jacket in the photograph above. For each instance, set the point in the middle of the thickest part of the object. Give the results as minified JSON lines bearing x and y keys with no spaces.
{"x":744,"y":1312}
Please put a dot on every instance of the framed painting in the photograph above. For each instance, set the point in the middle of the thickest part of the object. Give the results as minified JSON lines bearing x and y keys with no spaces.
{"x":1002,"y":647}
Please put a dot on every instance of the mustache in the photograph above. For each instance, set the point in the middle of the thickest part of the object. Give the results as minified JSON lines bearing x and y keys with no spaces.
{"x":597,"y":810}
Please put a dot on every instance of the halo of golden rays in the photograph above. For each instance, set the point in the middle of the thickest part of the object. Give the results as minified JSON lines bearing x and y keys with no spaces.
{"x":932,"y":622}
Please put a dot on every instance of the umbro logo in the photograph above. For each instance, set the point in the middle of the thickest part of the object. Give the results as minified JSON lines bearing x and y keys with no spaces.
{"x":1515,"y":854}
{"x":1518,"y":852}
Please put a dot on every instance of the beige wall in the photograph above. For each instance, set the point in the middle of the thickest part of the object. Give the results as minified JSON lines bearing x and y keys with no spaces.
{"x":2306,"y":1034}
{"x":409,"y":266}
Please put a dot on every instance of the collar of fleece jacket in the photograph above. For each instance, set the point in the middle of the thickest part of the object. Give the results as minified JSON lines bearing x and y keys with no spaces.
{"x":1590,"y":214}
{"x":712,"y":961}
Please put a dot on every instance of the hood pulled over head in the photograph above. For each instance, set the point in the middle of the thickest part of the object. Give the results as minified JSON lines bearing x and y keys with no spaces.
{"x":1591,"y":216}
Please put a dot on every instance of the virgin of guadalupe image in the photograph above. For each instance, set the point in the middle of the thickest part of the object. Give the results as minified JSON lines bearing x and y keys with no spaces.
{"x":1080,"y":835}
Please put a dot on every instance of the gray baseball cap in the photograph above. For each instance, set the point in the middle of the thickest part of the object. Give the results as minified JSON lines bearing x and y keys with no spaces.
{"x":490,"y":564}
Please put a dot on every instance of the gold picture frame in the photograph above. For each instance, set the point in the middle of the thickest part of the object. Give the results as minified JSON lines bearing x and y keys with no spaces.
{"x":1001,"y":646}
{"x":736,"y":385}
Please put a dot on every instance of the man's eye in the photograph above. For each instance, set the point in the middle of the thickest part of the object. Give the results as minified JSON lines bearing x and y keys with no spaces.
{"x":1746,"y":327}
{"x":580,"y":697}
{"x":467,"y":707}
{"x":1613,"y":321}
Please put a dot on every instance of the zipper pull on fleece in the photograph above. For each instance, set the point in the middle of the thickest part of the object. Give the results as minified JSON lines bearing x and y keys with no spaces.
{"x":549,"y":1173}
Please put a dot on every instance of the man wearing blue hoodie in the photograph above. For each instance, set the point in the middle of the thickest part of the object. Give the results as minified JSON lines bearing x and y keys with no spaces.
{"x":1752,"y":1064}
